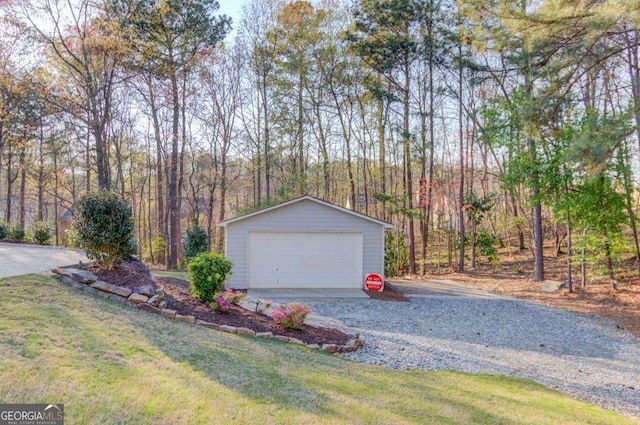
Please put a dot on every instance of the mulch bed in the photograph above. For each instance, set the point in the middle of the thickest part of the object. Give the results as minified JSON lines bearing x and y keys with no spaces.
{"x":130,"y":273}
{"x":133,"y":273}
{"x":388,"y":294}
{"x":178,"y":297}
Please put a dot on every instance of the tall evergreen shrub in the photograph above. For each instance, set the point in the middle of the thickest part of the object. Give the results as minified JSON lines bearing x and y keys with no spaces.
{"x":104,"y":223}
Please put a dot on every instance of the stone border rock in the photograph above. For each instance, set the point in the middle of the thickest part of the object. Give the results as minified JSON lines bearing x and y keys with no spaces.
{"x":156,"y":303}
{"x":88,"y":281}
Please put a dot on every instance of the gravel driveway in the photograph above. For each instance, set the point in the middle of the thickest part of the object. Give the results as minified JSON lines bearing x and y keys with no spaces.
{"x":585,"y":356}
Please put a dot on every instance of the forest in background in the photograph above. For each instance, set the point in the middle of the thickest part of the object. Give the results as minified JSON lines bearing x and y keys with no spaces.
{"x":474,"y":127}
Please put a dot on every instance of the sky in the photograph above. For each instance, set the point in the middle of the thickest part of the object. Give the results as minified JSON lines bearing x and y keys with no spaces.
{"x":233,"y":9}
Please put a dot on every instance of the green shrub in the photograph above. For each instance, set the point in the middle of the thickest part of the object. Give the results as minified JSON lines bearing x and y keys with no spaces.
{"x":41,"y":232}
{"x":104,"y":224}
{"x":73,"y":239}
{"x":396,"y":254}
{"x":207,"y":274}
{"x":486,"y":242}
{"x":196,"y":241}
{"x":16,"y":233}
{"x":4,"y":230}
{"x":157,"y":247}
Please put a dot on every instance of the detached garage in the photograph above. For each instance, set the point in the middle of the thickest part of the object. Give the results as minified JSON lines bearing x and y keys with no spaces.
{"x":303,"y":243}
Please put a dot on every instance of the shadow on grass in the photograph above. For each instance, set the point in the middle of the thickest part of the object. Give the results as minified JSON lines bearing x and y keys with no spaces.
{"x":259,"y":369}
{"x":299,"y":379}
{"x":332,"y":388}
{"x":111,"y":353}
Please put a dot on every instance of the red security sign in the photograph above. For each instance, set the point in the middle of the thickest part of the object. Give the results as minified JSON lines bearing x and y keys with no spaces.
{"x":373,"y":282}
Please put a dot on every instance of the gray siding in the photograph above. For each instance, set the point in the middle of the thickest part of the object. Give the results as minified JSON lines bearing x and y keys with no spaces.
{"x":303,"y":216}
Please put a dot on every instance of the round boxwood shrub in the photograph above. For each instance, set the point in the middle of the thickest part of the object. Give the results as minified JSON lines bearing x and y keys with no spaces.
{"x":207,"y":274}
{"x":104,"y":224}
{"x":41,"y":232}
{"x":196,"y":241}
{"x":4,"y":230}
{"x":16,"y":233}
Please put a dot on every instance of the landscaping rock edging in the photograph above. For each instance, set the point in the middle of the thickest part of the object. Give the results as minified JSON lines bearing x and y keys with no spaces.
{"x":82,"y":279}
{"x":79,"y":278}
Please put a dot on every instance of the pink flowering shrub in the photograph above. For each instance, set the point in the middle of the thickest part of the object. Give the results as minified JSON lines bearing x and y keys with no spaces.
{"x":221,"y":304}
{"x":291,"y":316}
{"x":223,"y":300}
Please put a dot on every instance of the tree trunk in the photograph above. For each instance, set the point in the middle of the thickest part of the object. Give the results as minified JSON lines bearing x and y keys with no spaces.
{"x":88,"y":156}
{"x":223,"y":197}
{"x":608,"y":257}
{"x":346,"y":135}
{"x":569,"y":241}
{"x":302,"y":183}
{"x":267,"y":144}
{"x":427,"y":219}
{"x":23,"y":187}
{"x":160,"y":227}
{"x":537,"y":207}
{"x":55,"y":195}
{"x":473,"y":243}
{"x":381,"y":150}
{"x":41,"y":172}
{"x":174,"y":213}
{"x":406,"y":143}
{"x":569,"y":247}
{"x":583,"y":261}
{"x":322,"y":145}
{"x":101,"y":157}
{"x":516,"y":217}
{"x":120,"y":181}
{"x":211,"y":230}
{"x":461,"y":153}
{"x":537,"y":237}
{"x":149,"y":237}
{"x":183,"y":142}
{"x":422,"y":186}
{"x":557,"y":240}
{"x":10,"y":181}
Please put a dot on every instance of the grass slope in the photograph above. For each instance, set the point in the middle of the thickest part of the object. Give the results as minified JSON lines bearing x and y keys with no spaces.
{"x":112,"y":364}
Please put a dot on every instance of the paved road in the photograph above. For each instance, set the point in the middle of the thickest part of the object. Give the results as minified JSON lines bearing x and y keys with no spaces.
{"x":19,"y":259}
{"x":448,"y":326}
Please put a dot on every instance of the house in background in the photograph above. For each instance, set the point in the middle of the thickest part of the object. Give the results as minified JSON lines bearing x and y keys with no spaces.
{"x":65,"y":223}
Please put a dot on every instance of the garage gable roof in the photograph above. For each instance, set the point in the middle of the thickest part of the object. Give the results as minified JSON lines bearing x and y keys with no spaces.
{"x":300,"y":199}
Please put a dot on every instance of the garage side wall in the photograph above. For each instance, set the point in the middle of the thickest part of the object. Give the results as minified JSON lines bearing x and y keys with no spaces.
{"x":304,"y":216}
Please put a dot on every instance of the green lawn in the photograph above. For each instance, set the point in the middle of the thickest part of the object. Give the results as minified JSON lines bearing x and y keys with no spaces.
{"x":180,"y":274}
{"x":111,"y":364}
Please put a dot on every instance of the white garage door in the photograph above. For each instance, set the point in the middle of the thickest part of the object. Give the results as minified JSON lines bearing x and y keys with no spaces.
{"x":305,"y":260}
